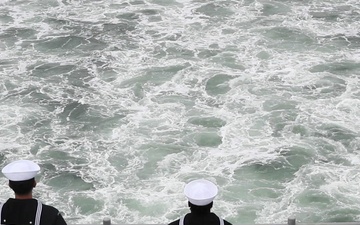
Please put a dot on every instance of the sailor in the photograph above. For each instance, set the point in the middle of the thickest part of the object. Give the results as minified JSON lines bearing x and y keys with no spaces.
{"x":200,"y":194}
{"x":24,"y":209}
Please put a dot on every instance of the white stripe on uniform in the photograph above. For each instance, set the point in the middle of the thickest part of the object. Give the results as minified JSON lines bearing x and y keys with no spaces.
{"x":37,"y":216}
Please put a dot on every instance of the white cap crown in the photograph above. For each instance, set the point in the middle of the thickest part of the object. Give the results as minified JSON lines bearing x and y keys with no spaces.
{"x":21,"y":170}
{"x":200,"y":192}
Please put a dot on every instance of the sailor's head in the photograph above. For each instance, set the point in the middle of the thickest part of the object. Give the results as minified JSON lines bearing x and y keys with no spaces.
{"x":21,"y":175}
{"x":200,"y":192}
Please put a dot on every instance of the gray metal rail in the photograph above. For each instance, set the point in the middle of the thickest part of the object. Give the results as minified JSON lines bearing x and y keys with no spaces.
{"x":291,"y":221}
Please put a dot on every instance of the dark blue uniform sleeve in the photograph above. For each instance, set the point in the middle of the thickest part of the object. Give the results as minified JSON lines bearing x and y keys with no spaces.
{"x":60,"y":220}
{"x":51,"y":216}
{"x":176,"y":222}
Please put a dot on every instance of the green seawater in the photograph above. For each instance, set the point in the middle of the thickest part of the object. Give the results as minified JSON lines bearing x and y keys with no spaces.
{"x":123,"y":102}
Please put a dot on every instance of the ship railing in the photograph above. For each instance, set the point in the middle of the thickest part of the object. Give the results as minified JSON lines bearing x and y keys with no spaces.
{"x":290,"y":221}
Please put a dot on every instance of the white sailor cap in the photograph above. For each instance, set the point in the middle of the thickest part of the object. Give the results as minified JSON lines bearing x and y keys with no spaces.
{"x":21,"y":170}
{"x":200,"y":192}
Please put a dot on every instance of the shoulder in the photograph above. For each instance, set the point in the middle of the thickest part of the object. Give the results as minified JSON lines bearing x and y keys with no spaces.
{"x":176,"y":222}
{"x":52,"y":215}
{"x":225,"y":222}
{"x":5,"y":202}
{"x":50,"y":209}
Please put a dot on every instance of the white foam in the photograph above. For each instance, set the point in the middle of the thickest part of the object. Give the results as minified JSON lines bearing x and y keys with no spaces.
{"x":136,"y":151}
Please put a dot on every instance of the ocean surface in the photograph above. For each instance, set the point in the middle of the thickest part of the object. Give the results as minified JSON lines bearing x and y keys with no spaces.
{"x":122,"y":102}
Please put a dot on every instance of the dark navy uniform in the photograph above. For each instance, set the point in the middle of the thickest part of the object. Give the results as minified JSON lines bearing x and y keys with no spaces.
{"x":200,"y":215}
{"x":29,"y":212}
{"x":200,"y":194}
{"x":200,"y":219}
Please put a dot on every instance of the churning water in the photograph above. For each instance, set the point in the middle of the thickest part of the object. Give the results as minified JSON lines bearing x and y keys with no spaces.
{"x":122,"y":102}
